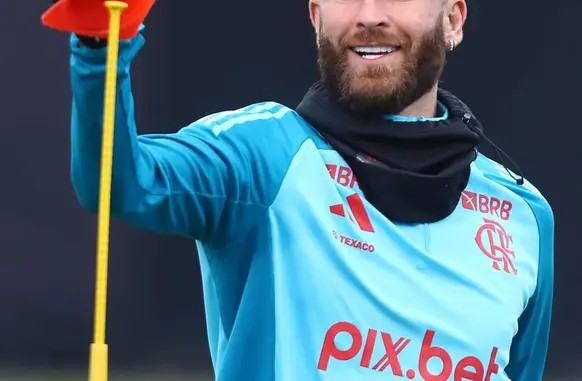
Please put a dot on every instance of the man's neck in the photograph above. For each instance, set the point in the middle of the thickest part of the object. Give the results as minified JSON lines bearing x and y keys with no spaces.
{"x":425,"y":106}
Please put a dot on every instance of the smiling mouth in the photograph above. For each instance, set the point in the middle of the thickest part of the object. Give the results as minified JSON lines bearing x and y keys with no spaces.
{"x":374,"y":52}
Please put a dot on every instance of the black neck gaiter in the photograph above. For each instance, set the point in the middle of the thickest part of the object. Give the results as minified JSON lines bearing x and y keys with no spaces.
{"x":412,"y":172}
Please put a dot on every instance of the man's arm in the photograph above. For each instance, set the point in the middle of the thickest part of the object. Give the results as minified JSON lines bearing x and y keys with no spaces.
{"x":530,"y":346}
{"x":221,"y":169}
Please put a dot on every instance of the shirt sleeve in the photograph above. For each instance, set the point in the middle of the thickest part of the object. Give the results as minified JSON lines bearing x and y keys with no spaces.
{"x":530,"y":345}
{"x":211,"y":180}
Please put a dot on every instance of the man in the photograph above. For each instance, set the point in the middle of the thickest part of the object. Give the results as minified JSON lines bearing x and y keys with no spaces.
{"x":360,"y":236}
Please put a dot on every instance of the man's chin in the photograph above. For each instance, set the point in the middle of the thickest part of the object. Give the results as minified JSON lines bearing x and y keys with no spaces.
{"x":370,"y":96}
{"x":372,"y":87}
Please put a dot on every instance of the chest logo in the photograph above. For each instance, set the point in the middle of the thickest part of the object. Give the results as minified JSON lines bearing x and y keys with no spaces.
{"x":355,"y":211}
{"x":494,"y":241}
{"x":486,"y":204}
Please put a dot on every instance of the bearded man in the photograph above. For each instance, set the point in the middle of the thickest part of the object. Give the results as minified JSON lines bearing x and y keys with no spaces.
{"x":358,"y":236}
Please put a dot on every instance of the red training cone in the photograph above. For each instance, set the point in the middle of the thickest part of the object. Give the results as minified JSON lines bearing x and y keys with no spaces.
{"x":91,"y":17}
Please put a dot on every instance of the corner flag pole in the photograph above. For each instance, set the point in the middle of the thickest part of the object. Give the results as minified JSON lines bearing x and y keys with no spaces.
{"x":98,"y":366}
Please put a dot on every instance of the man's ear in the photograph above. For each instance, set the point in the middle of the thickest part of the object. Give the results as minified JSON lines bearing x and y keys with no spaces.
{"x":455,"y":16}
{"x":314,"y":13}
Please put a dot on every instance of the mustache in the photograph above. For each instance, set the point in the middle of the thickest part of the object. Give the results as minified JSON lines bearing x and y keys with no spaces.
{"x":372,"y":36}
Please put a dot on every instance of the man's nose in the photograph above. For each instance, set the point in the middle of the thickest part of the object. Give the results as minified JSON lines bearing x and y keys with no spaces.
{"x":372,"y":15}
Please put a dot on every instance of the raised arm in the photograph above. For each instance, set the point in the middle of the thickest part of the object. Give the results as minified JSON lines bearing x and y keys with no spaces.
{"x":197,"y":182}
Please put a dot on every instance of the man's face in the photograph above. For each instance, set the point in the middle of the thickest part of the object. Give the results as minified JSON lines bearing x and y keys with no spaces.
{"x":380,"y":56}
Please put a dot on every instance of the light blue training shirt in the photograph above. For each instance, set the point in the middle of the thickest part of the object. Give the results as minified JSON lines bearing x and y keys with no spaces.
{"x":304,"y":280}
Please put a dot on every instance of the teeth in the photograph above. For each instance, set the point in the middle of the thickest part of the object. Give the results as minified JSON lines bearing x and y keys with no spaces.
{"x":372,"y":56}
{"x":374,"y":49}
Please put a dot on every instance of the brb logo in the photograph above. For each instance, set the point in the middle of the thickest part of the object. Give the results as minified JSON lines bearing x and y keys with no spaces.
{"x":495,"y":243}
{"x":486,"y":205}
{"x":342,"y":175}
{"x":469,"y":368}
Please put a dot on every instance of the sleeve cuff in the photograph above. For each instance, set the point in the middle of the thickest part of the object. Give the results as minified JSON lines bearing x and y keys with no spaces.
{"x":128,"y":49}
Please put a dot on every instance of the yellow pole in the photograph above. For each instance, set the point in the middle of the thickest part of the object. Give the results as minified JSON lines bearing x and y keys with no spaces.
{"x":98,"y":365}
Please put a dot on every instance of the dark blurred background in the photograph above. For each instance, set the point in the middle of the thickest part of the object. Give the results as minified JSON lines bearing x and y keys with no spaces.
{"x":518,"y":69}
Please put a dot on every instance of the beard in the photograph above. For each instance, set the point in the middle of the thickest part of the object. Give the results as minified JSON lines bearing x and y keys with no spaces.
{"x":379,"y":89}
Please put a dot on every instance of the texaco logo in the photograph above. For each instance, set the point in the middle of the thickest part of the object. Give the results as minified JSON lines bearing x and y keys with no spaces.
{"x":495,"y":243}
